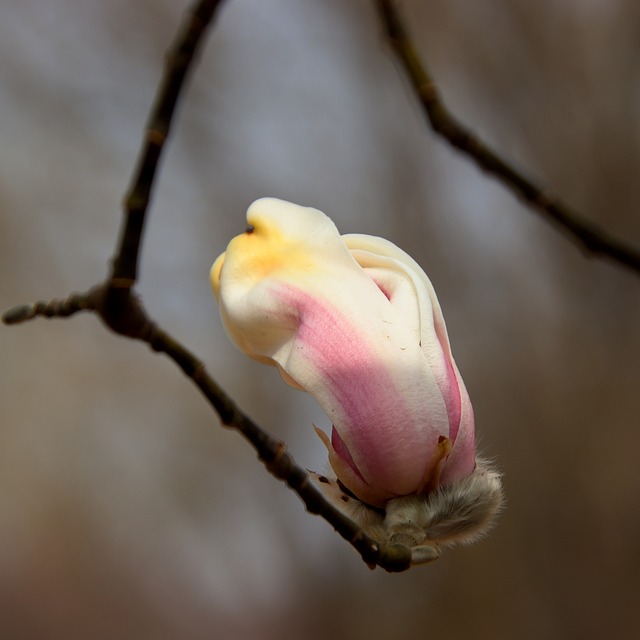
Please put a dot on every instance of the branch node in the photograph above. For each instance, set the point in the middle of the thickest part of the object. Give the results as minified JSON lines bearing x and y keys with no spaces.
{"x":121,"y":310}
{"x":428,"y":91}
{"x":199,"y":373}
{"x":122,"y":283}
{"x":156,"y":137}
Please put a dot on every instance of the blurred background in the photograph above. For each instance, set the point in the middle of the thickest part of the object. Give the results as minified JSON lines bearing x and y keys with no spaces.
{"x":125,"y":509}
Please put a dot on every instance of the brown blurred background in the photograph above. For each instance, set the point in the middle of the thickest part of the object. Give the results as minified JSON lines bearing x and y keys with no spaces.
{"x":126,"y":511}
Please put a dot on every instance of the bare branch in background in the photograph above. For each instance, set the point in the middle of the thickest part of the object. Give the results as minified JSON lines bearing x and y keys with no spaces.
{"x":589,"y":237}
{"x":121,"y":310}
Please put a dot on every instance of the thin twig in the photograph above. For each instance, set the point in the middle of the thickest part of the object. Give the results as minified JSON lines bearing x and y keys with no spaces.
{"x":115,"y":302}
{"x":177,"y":65}
{"x":51,"y":309}
{"x":592,"y":239}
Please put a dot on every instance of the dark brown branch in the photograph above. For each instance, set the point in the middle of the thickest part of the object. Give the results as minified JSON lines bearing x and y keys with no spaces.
{"x":592,"y":239}
{"x":121,"y":310}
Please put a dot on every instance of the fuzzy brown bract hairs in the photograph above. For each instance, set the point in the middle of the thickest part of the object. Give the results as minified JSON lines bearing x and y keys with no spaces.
{"x":458,"y":513}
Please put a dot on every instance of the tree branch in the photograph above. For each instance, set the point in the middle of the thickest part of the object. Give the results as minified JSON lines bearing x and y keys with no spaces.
{"x":115,"y":302}
{"x":178,"y":62}
{"x":592,"y":239}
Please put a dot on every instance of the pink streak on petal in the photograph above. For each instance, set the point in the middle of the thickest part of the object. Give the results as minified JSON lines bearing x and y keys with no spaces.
{"x":387,"y":295}
{"x":449,"y":383}
{"x":452,"y":400}
{"x":366,"y":493}
{"x":390,"y":445}
{"x":461,"y":462}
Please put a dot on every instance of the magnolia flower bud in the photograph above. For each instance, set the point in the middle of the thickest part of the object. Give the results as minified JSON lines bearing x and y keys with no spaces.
{"x":354,"y":321}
